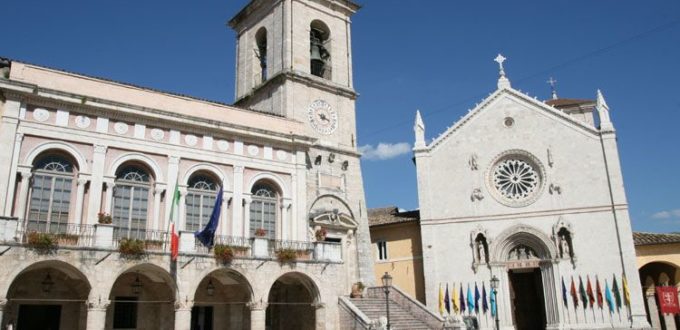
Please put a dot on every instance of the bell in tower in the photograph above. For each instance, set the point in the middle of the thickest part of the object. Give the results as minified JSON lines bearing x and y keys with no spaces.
{"x":318,"y":53}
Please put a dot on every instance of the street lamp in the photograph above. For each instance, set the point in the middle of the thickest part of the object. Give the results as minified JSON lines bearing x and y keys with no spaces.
{"x":210,"y":288}
{"x":47,"y":283}
{"x":136,"y":286}
{"x":494,"y":288}
{"x":387,"y":283}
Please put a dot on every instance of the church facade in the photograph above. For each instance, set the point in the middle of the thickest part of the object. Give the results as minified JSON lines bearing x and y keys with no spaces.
{"x":530,"y":193}
{"x":90,"y":170}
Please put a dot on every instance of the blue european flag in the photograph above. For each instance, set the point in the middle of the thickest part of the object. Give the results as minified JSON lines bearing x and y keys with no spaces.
{"x":207,"y":235}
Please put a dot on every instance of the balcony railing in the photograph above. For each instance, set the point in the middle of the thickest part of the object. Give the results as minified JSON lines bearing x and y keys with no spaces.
{"x":65,"y":234}
{"x":155,"y":240}
{"x":107,"y":237}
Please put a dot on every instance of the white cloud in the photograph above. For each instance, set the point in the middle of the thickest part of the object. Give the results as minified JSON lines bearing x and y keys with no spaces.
{"x":384,"y":150}
{"x":667,"y":214}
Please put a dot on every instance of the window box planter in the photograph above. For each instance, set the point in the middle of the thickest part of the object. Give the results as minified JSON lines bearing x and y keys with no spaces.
{"x":131,"y":248}
{"x":286,"y":255}
{"x":224,"y":254}
{"x":41,"y":243}
{"x":153,"y":245}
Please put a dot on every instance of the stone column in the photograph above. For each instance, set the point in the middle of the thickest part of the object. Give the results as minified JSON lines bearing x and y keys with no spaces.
{"x":182,"y":215}
{"x":237,"y":220}
{"x":20,"y":211}
{"x":224,"y":225}
{"x":11,"y":178}
{"x":246,"y":215}
{"x":550,"y":290}
{"x":503,"y":301}
{"x":319,"y":315}
{"x":158,"y":190}
{"x":3,"y":303}
{"x":258,"y":314}
{"x":653,"y":309}
{"x":172,"y":179}
{"x":183,"y":315}
{"x":287,"y":220}
{"x":96,"y":314}
{"x":96,"y":184}
{"x":110,"y":185}
{"x":80,"y":194}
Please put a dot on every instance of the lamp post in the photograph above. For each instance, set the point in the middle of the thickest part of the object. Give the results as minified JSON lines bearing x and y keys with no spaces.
{"x":494,"y":289}
{"x":387,"y":283}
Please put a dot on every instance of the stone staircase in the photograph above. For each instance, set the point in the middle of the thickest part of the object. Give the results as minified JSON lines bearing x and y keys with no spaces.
{"x":405,"y":312}
{"x":400,"y":319}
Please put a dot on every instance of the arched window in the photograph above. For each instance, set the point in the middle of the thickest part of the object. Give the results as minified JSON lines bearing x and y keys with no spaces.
{"x":131,"y":202}
{"x":50,"y":194}
{"x":319,"y":53}
{"x":261,"y":52}
{"x":200,"y":201}
{"x":263,"y":210}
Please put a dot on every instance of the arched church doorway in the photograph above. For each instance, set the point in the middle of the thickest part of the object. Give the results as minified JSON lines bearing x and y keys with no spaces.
{"x":291,"y":303}
{"x":142,"y":298}
{"x":54,"y":291}
{"x":526,"y":288}
{"x":522,"y":258}
{"x":221,"y":302}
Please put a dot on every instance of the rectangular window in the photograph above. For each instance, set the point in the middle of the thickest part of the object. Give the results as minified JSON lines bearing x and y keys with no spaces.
{"x":125,"y":313}
{"x":382,"y":250}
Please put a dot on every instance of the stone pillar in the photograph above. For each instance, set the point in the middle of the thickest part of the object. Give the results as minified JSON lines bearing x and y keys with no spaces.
{"x":182,"y":215}
{"x":96,"y":315}
{"x":258,"y":314}
{"x":12,"y":177}
{"x":237,"y":206}
{"x":96,"y":184}
{"x":225,"y":226}
{"x":319,"y":315}
{"x":503,"y":301}
{"x":550,"y":290}
{"x":158,"y":190}
{"x":3,"y":303}
{"x":246,"y":215}
{"x":183,"y":315}
{"x":172,"y":179}
{"x":20,"y":211}
{"x":110,"y":185}
{"x":285,"y":225}
{"x":80,"y":194}
{"x":653,"y":309}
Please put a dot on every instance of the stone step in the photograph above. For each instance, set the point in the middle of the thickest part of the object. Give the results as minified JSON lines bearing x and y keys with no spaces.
{"x":374,"y":308}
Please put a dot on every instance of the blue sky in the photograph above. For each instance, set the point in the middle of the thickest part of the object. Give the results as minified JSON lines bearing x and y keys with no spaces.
{"x":435,"y":56}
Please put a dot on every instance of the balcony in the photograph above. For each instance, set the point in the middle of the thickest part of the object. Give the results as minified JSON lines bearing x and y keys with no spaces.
{"x":107,"y":237}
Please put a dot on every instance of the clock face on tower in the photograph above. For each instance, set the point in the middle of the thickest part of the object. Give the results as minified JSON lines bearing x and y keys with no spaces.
{"x":322,"y":117}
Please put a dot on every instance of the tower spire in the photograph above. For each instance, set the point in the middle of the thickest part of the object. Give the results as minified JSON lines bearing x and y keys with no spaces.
{"x":603,"y":112}
{"x":503,"y":81}
{"x":419,"y":130}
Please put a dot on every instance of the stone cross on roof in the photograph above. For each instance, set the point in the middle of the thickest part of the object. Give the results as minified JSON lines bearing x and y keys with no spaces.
{"x":552,"y":83}
{"x":503,"y":82}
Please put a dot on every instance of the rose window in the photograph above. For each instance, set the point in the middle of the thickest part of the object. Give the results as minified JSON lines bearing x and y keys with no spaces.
{"x":515,"y":179}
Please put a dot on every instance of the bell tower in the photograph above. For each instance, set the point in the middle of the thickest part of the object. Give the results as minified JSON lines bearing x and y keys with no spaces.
{"x":294,"y":59}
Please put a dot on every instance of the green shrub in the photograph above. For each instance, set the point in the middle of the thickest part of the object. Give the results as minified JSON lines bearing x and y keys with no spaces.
{"x":42,"y":243}
{"x":132,"y":248}
{"x":286,"y":255}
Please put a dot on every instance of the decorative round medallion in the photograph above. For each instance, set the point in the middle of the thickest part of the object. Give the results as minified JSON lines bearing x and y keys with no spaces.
{"x":41,"y":114}
{"x":157,"y":134}
{"x":253,"y":150}
{"x":190,"y":139}
{"x":223,"y":145}
{"x":120,"y":128}
{"x":516,"y":178}
{"x":82,"y":121}
{"x":322,"y":117}
{"x":281,"y":155}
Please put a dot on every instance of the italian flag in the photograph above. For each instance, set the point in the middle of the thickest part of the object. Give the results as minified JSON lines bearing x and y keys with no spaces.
{"x":174,"y":218}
